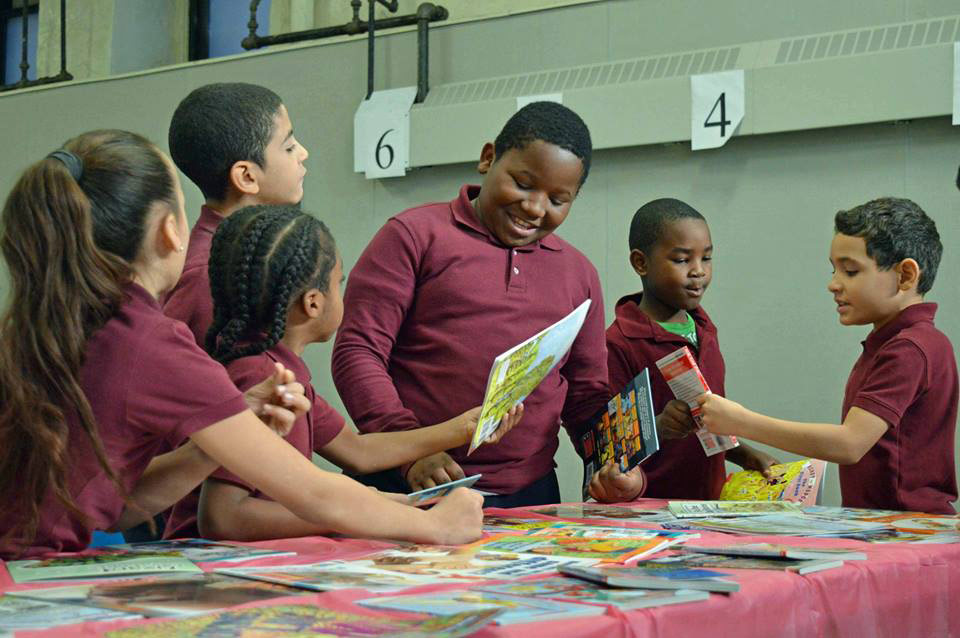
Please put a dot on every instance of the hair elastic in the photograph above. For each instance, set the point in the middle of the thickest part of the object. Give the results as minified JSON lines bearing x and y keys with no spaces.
{"x":73,"y":163}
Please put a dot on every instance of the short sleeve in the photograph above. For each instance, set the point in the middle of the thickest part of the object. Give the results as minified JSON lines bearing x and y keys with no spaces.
{"x":180,"y":389}
{"x":327,"y":422}
{"x":897,"y":375}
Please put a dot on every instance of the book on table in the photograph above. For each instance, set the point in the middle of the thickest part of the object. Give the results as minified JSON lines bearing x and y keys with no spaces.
{"x":105,"y":564}
{"x":693,"y":560}
{"x":714,"y":509}
{"x":639,"y":578}
{"x":776,"y":550}
{"x":624,"y":432}
{"x":200,"y":550}
{"x":587,"y":592}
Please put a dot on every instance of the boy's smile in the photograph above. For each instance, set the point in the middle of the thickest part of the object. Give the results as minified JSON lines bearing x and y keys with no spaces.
{"x":678,"y":269}
{"x":527,"y":193}
{"x":863,"y":293}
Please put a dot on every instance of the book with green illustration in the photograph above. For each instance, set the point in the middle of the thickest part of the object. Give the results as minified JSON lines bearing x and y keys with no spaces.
{"x":104,"y":564}
{"x":583,"y":591}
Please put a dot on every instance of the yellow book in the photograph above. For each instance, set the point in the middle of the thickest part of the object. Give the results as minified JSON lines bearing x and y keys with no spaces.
{"x":799,"y":482}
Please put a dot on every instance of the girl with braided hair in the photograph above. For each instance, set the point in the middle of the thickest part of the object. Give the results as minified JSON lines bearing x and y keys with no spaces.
{"x":275,"y":277}
{"x":94,"y":379}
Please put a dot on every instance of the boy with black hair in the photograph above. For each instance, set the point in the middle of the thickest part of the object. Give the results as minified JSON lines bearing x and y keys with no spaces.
{"x":895,"y":444}
{"x":444,"y":288}
{"x":672,"y":252}
{"x":235,"y":142}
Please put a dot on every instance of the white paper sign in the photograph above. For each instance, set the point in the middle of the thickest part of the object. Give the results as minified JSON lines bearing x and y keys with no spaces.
{"x":717,"y":108}
{"x":523,"y":100}
{"x":956,"y":83}
{"x":381,"y":133}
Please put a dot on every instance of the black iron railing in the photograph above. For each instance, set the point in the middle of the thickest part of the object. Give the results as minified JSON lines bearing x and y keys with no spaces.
{"x":63,"y":75}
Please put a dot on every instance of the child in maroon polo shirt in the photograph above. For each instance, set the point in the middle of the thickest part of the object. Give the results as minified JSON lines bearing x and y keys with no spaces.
{"x":275,"y":276}
{"x":671,"y":250}
{"x":895,"y":444}
{"x":94,"y":378}
{"x":235,"y":142}
{"x":444,"y":288}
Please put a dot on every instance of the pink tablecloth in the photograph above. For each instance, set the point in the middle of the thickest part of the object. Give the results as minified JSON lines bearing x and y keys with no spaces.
{"x":902,"y":590}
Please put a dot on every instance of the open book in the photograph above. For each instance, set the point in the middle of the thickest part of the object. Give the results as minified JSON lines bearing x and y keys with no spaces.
{"x":518,"y":371}
{"x":799,"y":481}
{"x":624,"y":432}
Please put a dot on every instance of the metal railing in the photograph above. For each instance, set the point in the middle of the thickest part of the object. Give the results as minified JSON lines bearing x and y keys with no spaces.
{"x":63,"y":75}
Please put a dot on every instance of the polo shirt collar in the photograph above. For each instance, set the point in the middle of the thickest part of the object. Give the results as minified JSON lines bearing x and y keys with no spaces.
{"x":282,"y":354}
{"x":917,"y":313}
{"x":462,"y":208}
{"x":209,"y":219}
{"x":637,"y":325}
{"x":139,"y":295}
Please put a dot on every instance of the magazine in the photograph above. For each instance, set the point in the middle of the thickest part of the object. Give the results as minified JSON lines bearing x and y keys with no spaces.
{"x":799,"y":482}
{"x":918,"y":522}
{"x":691,"y":560}
{"x":698,"y":509}
{"x":107,"y":564}
{"x":308,"y":620}
{"x":518,"y":371}
{"x":637,"y":578}
{"x":683,"y":375}
{"x":607,"y":550}
{"x":624,"y":432}
{"x":586,"y":530}
{"x":494,"y":523}
{"x":164,"y":597}
{"x":20,"y":614}
{"x":201,"y":551}
{"x":787,"y":524}
{"x":582,"y":591}
{"x":433,"y":494}
{"x":516,"y":609}
{"x":771,"y":550}
{"x":612,"y":512}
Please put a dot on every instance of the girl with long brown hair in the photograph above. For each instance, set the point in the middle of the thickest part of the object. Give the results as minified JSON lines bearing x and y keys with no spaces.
{"x":95,"y":380}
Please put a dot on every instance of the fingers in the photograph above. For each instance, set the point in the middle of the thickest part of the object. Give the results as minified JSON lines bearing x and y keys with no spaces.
{"x":278,"y":419}
{"x":452,"y":470}
{"x":610,"y":485}
{"x":510,"y":419}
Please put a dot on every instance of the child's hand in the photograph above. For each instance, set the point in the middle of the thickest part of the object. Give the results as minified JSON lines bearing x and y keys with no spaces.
{"x":433,"y":470}
{"x":675,"y":422}
{"x":720,"y":415}
{"x":750,"y":458}
{"x":610,"y":485}
{"x":278,"y":400}
{"x":471,"y":418}
{"x":458,"y":517}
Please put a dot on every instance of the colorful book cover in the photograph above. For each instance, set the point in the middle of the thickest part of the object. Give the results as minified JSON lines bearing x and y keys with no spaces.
{"x":518,"y":371}
{"x":637,"y":578}
{"x":582,"y":591}
{"x":682,"y":374}
{"x":21,"y":614}
{"x":164,"y":597}
{"x":111,"y":564}
{"x":602,"y":512}
{"x":333,"y":575}
{"x":200,"y":550}
{"x":698,"y":509}
{"x":607,"y":550}
{"x":917,"y":522}
{"x":516,"y":609}
{"x":799,"y":482}
{"x":308,"y":620}
{"x":691,"y":560}
{"x":495,"y":523}
{"x":788,"y":524}
{"x":625,"y":432}
{"x":774,"y":550}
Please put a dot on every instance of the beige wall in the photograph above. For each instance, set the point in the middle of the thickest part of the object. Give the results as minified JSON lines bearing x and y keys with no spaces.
{"x":769,"y":199}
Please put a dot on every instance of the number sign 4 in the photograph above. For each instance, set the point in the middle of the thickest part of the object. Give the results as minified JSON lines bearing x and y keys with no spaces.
{"x":716,"y":108}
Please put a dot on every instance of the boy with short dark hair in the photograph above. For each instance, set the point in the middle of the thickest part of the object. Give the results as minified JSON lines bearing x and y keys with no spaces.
{"x":444,"y":288}
{"x":672,"y":252}
{"x":895,"y":444}
{"x":235,"y":142}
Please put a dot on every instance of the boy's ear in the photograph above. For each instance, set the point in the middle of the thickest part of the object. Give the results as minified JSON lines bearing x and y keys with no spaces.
{"x":244,"y":177}
{"x":312,"y":303}
{"x":908,"y":274}
{"x":639,"y":262}
{"x":487,"y":158}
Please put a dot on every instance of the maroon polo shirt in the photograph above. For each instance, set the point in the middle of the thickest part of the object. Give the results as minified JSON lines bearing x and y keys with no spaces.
{"x":190,"y":300}
{"x":310,"y":432}
{"x":680,"y":469}
{"x":907,"y":376}
{"x":432,"y":301}
{"x":176,"y":390}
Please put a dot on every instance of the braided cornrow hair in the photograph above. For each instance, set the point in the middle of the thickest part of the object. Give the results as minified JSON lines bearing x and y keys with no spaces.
{"x":261,"y":260}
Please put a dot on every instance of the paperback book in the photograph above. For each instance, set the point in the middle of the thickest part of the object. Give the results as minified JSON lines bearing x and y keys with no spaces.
{"x":691,"y":560}
{"x":625,"y":432}
{"x":602,"y":512}
{"x":518,"y":371}
{"x":107,"y":564}
{"x":582,"y":591}
{"x":201,"y":551}
{"x":607,"y":550}
{"x":22,"y":614}
{"x":799,"y":482}
{"x":516,"y":609}
{"x":699,"y":509}
{"x":638,"y":578}
{"x":308,"y":620}
{"x":164,"y":597}
{"x":771,"y":550}
{"x":433,"y":494}
{"x":683,"y":375}
{"x":787,"y":524}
